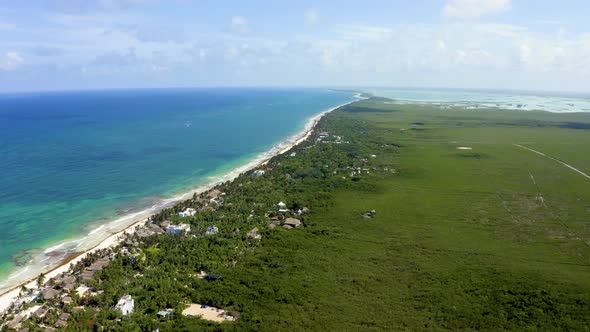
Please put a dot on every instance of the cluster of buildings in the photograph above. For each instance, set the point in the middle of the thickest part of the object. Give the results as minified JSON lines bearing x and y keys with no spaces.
{"x":180,"y":229}
{"x":324,"y":137}
{"x":61,"y":296}
{"x":49,"y":305}
{"x":188,"y":212}
{"x":284,"y":219}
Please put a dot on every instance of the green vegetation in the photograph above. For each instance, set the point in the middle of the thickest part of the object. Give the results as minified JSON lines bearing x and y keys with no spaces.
{"x":493,"y":237}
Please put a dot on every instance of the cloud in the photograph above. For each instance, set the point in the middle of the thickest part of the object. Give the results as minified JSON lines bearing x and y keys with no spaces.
{"x":311,"y":17}
{"x":10,"y":61}
{"x":135,"y":49}
{"x":475,"y":8}
{"x":239,"y":24}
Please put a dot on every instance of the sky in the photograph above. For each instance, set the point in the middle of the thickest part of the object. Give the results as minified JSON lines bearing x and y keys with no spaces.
{"x":498,"y":44}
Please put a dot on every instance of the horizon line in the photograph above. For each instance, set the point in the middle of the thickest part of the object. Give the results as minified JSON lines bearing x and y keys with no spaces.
{"x":359,"y":88}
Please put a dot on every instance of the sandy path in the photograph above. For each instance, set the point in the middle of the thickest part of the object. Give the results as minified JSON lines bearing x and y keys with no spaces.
{"x":209,"y":313}
{"x":555,"y":159}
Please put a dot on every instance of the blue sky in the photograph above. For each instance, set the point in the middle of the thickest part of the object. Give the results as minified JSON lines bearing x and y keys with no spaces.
{"x":78,"y":44}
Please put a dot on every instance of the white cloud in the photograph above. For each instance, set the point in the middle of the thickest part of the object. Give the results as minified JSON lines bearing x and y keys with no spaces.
{"x":445,"y":53}
{"x":10,"y":61}
{"x":240,"y":24}
{"x":311,"y":17}
{"x":475,"y":8}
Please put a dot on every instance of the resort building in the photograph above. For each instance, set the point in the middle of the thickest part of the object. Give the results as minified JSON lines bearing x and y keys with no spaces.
{"x":49,"y":293}
{"x":258,"y":172}
{"x":41,"y":312}
{"x":90,"y":271}
{"x":125,"y":305}
{"x":214,"y":193}
{"x":83,"y":290}
{"x":188,"y":212}
{"x":62,"y":320}
{"x":178,"y":229}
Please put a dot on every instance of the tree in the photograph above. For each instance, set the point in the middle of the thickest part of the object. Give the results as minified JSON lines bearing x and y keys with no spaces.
{"x":40,"y":280}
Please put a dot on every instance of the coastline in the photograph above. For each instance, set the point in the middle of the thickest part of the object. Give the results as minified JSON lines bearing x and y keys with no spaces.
{"x":115,"y":230}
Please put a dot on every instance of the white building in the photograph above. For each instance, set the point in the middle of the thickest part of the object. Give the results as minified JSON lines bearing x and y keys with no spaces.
{"x":125,"y":304}
{"x":83,"y":290}
{"x":282,"y":207}
{"x":178,"y":229}
{"x":258,"y":172}
{"x":189,"y":212}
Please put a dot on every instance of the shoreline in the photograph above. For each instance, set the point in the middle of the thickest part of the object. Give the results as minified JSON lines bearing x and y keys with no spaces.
{"x":127,"y":224}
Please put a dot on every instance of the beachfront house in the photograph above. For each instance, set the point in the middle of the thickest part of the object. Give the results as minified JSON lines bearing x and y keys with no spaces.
{"x":90,"y":271}
{"x":180,"y":229}
{"x":49,"y":293}
{"x":155,"y":228}
{"x":212,"y":230}
{"x":258,"y":172}
{"x":214,"y":193}
{"x":188,"y":212}
{"x":83,"y":290}
{"x":126,"y":305}
{"x":41,"y":312}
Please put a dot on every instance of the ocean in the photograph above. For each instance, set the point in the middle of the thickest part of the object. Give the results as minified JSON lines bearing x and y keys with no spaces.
{"x":73,"y":162}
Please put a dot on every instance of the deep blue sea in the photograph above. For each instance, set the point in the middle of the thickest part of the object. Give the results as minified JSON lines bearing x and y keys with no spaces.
{"x":71,"y":158}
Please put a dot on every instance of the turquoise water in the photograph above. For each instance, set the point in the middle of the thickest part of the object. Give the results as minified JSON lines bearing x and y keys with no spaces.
{"x":517,"y":100}
{"x":71,"y":158}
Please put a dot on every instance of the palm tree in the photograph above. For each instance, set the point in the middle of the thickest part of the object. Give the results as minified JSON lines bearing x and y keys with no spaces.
{"x":40,"y":280}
